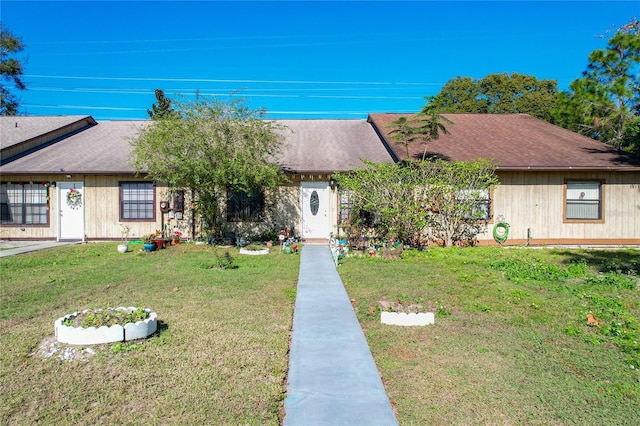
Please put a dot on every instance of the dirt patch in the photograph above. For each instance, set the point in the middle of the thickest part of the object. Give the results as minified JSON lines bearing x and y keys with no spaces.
{"x":49,"y":347}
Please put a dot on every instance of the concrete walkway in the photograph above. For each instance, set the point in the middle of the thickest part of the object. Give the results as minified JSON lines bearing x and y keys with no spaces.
{"x":10,"y":248}
{"x":333,"y":379}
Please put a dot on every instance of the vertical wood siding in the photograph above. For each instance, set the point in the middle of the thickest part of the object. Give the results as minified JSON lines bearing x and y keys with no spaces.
{"x":534,"y":201}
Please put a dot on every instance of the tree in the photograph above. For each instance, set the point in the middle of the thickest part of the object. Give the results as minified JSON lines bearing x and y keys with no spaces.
{"x":403,"y":132}
{"x":497,"y":94}
{"x":456,"y":196}
{"x":429,"y":127}
{"x":211,"y":147}
{"x":424,"y":128}
{"x":162,"y":108}
{"x":10,"y":71}
{"x":605,"y":102}
{"x":382,"y":197}
{"x":448,"y":200}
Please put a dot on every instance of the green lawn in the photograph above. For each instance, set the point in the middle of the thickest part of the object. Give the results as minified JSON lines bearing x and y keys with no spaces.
{"x":511,"y":343}
{"x":220,"y":357}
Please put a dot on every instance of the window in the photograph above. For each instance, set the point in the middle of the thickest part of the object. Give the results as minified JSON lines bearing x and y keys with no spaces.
{"x":245,"y":207}
{"x":478,"y":202}
{"x":24,"y":204}
{"x":583,"y":200}
{"x":137,"y":201}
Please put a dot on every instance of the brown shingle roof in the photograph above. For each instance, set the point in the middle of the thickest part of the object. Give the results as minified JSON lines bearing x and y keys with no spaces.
{"x":14,"y":130}
{"x":101,"y":149}
{"x":311,"y":146}
{"x":331,"y":145}
{"x":514,"y":141}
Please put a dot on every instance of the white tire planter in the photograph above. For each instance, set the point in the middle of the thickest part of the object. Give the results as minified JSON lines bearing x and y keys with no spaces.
{"x":254,"y":252}
{"x":123,"y":248}
{"x":411,"y":319}
{"x":115,"y":333}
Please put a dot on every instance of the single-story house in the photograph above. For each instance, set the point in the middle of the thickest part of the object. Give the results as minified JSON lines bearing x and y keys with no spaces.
{"x":49,"y":163}
{"x":69,"y":178}
{"x":556,"y":187}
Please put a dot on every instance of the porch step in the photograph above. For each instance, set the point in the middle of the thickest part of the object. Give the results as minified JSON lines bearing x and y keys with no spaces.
{"x":315,"y":241}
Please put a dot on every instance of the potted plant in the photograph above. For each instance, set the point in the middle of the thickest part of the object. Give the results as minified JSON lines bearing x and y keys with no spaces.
{"x":124,"y":231}
{"x":176,"y":236}
{"x":149,"y":241}
{"x":158,"y":239}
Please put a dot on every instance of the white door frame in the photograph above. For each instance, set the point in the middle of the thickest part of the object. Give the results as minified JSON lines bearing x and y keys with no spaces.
{"x":318,"y":225}
{"x":69,"y":218}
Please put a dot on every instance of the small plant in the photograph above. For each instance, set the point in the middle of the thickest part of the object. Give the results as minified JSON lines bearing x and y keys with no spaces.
{"x":120,"y":347}
{"x":442,"y":311}
{"x":222,"y":261}
{"x":124,"y":231}
{"x":401,"y":304}
{"x":149,"y":238}
{"x":106,"y":317}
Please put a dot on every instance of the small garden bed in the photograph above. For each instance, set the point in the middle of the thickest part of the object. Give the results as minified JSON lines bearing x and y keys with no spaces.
{"x":91,"y":327}
{"x":254,"y":250}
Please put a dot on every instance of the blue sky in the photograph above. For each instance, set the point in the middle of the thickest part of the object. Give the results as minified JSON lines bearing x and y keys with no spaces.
{"x":297,"y":59}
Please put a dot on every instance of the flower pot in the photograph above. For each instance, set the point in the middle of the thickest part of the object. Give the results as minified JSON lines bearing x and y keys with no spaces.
{"x":149,"y":246}
{"x":159,"y":244}
{"x":401,"y":318}
{"x":123,"y":248}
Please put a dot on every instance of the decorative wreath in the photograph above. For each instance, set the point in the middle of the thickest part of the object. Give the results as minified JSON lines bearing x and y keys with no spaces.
{"x":74,"y":198}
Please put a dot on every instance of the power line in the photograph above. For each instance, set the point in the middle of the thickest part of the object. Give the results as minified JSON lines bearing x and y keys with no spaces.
{"x":211,"y":80}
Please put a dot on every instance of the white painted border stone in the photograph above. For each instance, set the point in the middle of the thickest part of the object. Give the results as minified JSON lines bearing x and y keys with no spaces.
{"x":400,"y":318}
{"x":254,"y":252}
{"x":115,"y":333}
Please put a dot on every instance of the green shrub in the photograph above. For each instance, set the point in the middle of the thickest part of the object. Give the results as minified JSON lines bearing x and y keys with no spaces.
{"x":612,"y":280}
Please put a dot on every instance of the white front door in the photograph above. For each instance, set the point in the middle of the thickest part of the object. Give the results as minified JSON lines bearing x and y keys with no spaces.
{"x":315,"y":209}
{"x":71,"y":211}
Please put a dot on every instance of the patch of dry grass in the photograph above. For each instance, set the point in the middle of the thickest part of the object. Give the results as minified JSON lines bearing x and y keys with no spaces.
{"x":506,"y":353}
{"x":220,"y":356}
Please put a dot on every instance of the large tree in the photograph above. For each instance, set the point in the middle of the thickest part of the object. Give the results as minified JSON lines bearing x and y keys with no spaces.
{"x":213,"y":148}
{"x":497,"y":94}
{"x":605,"y":102}
{"x":10,"y":71}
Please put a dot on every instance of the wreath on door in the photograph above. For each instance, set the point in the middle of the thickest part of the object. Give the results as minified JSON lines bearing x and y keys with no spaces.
{"x":74,"y":198}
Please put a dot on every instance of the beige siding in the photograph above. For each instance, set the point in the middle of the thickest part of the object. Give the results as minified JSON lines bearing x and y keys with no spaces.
{"x":534,"y":201}
{"x":528,"y":201}
{"x":101,"y":210}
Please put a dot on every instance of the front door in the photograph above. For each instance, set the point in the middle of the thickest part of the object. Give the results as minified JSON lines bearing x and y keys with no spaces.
{"x":71,"y":211}
{"x":315,"y":209}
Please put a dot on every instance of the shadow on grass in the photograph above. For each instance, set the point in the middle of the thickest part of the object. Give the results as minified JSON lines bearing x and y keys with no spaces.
{"x":162,"y":327}
{"x":623,"y":262}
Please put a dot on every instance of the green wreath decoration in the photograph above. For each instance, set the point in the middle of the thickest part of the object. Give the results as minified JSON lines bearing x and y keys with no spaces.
{"x":74,"y":198}
{"x":501,"y":232}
